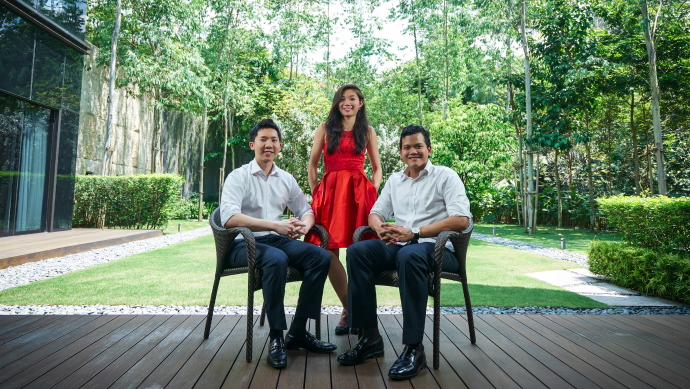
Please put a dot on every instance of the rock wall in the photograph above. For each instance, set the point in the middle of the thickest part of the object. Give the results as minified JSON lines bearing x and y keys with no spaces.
{"x":133,"y":132}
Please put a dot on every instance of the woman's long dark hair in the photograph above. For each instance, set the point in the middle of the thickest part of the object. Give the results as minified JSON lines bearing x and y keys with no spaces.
{"x":334,"y":123}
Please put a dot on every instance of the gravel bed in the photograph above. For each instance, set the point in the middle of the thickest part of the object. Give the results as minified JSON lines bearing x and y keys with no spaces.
{"x":330,"y":310}
{"x":47,"y":268}
{"x":563,"y":255}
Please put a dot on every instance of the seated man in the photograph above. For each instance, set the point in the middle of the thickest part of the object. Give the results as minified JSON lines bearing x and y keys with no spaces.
{"x":254,"y":196}
{"x":425,"y":200}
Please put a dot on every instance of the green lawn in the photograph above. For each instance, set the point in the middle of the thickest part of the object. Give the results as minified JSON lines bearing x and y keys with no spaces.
{"x":187,"y":225}
{"x":182,"y":274}
{"x":577,"y":241}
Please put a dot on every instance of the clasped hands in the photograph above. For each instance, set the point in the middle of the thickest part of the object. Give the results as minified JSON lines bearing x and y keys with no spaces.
{"x":393,"y":233}
{"x":291,"y":228}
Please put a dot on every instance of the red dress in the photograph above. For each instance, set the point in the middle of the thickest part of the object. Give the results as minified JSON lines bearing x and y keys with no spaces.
{"x":344,"y":197}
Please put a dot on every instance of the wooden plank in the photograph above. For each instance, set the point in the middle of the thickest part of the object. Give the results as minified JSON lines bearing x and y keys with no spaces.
{"x":679,"y":345}
{"x":266,"y":376}
{"x":242,"y":372}
{"x":672,"y":361}
{"x":18,"y":324}
{"x":318,"y":373}
{"x":230,"y":353}
{"x":190,"y":372}
{"x":445,"y":376}
{"x":342,"y":377}
{"x":458,"y":361}
{"x":564,"y":364}
{"x":120,"y":366}
{"x":88,"y":370}
{"x":627,"y":350}
{"x":76,"y":361}
{"x":662,"y":323}
{"x":613,"y":365}
{"x":9,"y":357}
{"x":475,"y":356}
{"x":523,"y":368}
{"x":53,"y":330}
{"x":6,"y":320}
{"x":34,"y":326}
{"x":584,"y":364}
{"x":52,"y":356}
{"x":391,"y":331}
{"x":194,"y":324}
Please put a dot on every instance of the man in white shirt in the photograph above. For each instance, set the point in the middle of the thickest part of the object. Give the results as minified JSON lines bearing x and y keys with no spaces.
{"x":426,"y":200}
{"x":254,"y":196}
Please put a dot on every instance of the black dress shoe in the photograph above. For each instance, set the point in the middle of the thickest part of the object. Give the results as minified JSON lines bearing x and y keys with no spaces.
{"x":309,"y":343}
{"x":354,"y":331}
{"x":408,"y":365}
{"x":340,"y":330}
{"x":362,"y":350}
{"x":276,"y":355}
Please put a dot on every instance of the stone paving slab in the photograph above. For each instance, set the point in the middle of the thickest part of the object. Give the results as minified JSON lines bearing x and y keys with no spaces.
{"x":584,"y":283}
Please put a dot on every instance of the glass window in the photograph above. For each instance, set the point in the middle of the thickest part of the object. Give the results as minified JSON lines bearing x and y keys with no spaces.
{"x":66,"y":170}
{"x":71,"y":94}
{"x":49,"y":64}
{"x":11,"y":123}
{"x":16,"y":52}
{"x":70,"y":14}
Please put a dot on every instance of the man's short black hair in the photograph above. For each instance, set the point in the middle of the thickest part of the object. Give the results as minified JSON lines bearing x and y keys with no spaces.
{"x":411,"y":130}
{"x":266,"y":123}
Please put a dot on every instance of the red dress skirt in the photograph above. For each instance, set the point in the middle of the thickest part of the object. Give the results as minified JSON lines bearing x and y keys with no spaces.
{"x":344,"y":197}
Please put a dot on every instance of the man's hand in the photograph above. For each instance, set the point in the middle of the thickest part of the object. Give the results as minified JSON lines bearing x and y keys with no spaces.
{"x":287,"y":227}
{"x":300,"y":228}
{"x":393,"y":233}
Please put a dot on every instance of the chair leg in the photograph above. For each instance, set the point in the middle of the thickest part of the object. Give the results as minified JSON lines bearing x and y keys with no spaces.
{"x":250,"y":325}
{"x":263,"y":315}
{"x":437,"y":326}
{"x":318,"y":328}
{"x":211,"y":305}
{"x":468,"y":305}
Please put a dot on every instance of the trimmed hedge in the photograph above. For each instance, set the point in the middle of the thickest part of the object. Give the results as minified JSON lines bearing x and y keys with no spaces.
{"x":139,"y":201}
{"x":656,"y":222}
{"x":664,"y":274}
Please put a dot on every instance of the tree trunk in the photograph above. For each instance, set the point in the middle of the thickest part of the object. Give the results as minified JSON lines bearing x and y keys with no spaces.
{"x":517,"y":193}
{"x":570,"y":168}
{"x":650,"y":179}
{"x":108,"y":152}
{"x":225,"y":147}
{"x":590,"y":181}
{"x":445,"y":38}
{"x":528,"y":109}
{"x":558,"y":194}
{"x":156,"y":137}
{"x":328,"y":43}
{"x":654,"y":85}
{"x":536,"y":198}
{"x":636,"y":156}
{"x":201,"y":167}
{"x":608,"y":142}
{"x":419,"y":78}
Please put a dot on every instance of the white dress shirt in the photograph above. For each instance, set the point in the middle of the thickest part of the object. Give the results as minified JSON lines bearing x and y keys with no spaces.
{"x":437,"y":193}
{"x":249,"y":191}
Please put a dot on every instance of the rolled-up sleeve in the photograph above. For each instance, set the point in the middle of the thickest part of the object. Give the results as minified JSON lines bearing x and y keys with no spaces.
{"x":297,"y":201}
{"x":384,"y":205}
{"x":457,"y":203}
{"x":234,"y":189}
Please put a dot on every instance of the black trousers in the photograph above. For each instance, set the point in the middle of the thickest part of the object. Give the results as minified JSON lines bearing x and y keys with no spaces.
{"x":414,"y":262}
{"x":274,"y":253}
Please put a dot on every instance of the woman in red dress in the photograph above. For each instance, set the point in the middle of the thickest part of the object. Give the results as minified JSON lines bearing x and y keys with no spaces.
{"x":344,"y":197}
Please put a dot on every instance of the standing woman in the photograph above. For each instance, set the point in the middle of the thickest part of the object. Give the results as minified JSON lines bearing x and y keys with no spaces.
{"x":343,"y":199}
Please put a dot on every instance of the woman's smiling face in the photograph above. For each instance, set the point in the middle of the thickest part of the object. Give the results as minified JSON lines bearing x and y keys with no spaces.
{"x":349,"y":103}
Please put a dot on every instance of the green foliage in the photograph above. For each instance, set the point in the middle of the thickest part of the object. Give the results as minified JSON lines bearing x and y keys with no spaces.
{"x":658,"y":222}
{"x":651,"y":271}
{"x":139,"y":201}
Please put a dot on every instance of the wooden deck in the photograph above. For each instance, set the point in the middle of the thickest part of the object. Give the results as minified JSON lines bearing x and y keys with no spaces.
{"x":511,"y":352}
{"x":20,"y":249}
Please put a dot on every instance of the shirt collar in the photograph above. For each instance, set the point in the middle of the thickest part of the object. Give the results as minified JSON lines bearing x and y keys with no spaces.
{"x":255,"y":168}
{"x":428,"y":169}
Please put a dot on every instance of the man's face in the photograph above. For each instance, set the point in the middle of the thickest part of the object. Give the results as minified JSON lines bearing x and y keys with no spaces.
{"x":414,"y":151}
{"x":266,"y":145}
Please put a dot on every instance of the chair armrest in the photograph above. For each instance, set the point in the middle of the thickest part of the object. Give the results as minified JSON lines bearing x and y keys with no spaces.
{"x":460,"y":241}
{"x":360,"y":231}
{"x":323,"y":234}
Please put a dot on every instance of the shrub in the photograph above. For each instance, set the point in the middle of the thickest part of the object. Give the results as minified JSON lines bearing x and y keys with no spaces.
{"x":139,"y":201}
{"x":657,"y":222}
{"x":664,"y":274}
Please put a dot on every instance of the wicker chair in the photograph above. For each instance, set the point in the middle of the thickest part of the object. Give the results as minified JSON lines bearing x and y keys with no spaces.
{"x":460,"y":242}
{"x":224,"y":238}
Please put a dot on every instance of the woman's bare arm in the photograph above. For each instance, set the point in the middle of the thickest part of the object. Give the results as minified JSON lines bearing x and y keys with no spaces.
{"x":373,"y":151}
{"x":313,"y":169}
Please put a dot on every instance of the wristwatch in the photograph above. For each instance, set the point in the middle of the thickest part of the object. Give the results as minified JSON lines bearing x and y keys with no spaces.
{"x":415,"y":232}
